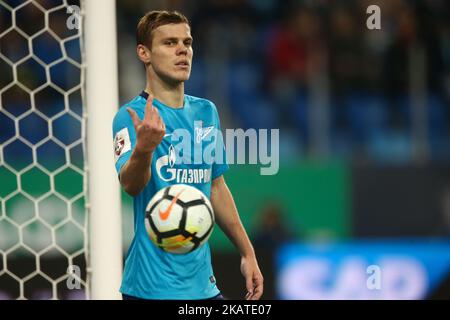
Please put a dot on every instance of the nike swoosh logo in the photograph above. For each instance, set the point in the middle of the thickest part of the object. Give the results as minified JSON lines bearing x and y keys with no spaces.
{"x":165,"y":214}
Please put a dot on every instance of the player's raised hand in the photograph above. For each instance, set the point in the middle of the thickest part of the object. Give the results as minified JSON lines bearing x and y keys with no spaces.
{"x":149,"y":131}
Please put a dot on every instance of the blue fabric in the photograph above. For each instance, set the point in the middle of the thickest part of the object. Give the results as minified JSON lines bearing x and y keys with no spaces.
{"x":150,"y":272}
{"x":127,"y":297}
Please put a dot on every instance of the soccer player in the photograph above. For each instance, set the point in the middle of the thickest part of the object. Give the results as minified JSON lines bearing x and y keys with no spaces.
{"x":143,"y":131}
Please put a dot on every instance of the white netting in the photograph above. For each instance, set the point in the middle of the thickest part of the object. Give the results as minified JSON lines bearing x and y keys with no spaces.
{"x":43,"y":220}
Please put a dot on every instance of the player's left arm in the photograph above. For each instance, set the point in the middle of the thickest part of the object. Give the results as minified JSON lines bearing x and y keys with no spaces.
{"x":227,"y":218}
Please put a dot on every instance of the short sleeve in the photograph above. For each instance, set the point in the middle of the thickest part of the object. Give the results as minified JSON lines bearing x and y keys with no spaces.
{"x":220,"y":165}
{"x":124,"y":138}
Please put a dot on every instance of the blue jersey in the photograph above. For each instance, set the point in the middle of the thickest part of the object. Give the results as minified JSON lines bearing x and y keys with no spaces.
{"x":150,"y":272}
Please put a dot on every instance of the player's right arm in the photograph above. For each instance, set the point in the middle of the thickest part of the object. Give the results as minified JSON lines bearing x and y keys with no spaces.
{"x":150,"y":131}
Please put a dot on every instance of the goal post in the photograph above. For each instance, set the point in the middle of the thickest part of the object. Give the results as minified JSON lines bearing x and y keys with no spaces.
{"x":104,"y":203}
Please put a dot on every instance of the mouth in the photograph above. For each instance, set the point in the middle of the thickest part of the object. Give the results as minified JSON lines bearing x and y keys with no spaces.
{"x":184,"y":64}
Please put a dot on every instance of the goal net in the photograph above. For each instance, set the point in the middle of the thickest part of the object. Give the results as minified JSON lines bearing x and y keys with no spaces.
{"x":44,"y":220}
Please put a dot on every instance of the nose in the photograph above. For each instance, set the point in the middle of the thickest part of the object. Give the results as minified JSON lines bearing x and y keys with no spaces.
{"x":182,"y":50}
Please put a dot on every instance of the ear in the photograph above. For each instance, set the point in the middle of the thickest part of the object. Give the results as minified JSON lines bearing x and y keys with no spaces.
{"x":143,"y":53}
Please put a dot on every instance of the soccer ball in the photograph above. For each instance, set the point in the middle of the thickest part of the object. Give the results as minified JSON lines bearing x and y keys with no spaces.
{"x":179,"y":218}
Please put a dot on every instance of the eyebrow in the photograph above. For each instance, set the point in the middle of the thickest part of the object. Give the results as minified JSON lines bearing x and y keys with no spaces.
{"x":176,"y":39}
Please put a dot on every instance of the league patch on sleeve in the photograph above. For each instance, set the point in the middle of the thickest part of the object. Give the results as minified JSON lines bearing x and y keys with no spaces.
{"x":122,"y":143}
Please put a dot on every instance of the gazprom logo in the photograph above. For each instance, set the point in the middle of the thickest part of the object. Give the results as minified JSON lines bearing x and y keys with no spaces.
{"x":166,"y":171}
{"x":168,"y":160}
{"x":172,"y":156}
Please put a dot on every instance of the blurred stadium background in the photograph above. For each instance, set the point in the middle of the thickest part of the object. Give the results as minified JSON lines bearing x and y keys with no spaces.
{"x":363,"y":114}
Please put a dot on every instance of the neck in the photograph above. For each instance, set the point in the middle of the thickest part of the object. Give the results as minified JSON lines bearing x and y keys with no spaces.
{"x":171,"y":95}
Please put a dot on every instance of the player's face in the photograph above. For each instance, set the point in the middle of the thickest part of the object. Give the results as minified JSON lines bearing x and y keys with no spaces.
{"x":171,"y":52}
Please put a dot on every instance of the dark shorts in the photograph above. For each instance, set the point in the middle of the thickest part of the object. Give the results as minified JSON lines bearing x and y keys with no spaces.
{"x":127,"y":297}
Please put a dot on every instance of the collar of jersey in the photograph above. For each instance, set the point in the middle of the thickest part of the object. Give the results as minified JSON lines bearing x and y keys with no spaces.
{"x":162,"y":105}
